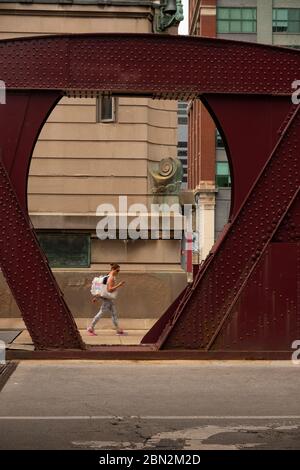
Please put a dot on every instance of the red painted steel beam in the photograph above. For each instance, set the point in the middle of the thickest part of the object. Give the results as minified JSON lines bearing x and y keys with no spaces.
{"x":251,"y":128}
{"x":265,"y":317}
{"x":146,"y":63}
{"x":46,"y":315}
{"x":23,"y":117}
{"x":44,"y":311}
{"x":136,"y":64}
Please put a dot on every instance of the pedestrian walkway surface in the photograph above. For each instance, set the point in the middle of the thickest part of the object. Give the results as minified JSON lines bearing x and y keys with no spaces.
{"x":135,"y":330}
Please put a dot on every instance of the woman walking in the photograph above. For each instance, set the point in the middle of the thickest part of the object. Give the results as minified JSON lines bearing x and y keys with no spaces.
{"x":108,"y":304}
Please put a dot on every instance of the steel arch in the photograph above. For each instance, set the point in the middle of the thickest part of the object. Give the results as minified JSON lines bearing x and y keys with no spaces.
{"x":247,"y":88}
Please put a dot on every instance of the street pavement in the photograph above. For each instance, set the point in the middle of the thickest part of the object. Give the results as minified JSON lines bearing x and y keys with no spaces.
{"x":199,"y":405}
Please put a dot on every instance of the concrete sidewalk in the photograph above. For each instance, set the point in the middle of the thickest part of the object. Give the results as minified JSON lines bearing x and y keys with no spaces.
{"x":106,"y":335}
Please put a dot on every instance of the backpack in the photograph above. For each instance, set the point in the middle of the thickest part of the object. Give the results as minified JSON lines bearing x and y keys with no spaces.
{"x":99,"y":285}
{"x":99,"y":288}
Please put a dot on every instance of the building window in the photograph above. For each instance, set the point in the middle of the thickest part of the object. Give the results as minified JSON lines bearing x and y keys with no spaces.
{"x":219,"y":140}
{"x":66,"y":249}
{"x":182,"y":113}
{"x":286,"y":20}
{"x":236,"y":20}
{"x":182,"y":155}
{"x":106,"y":109}
{"x":182,"y":138}
{"x":223,"y":179}
{"x":182,"y":120}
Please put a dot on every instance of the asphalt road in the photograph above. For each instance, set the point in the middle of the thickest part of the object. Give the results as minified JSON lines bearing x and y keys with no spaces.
{"x":129,"y":405}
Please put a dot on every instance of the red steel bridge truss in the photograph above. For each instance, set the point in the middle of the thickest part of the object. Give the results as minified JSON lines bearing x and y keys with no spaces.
{"x":245,"y":298}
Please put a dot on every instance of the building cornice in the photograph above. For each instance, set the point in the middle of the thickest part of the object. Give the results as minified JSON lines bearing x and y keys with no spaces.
{"x":154,"y":3}
{"x":80,"y":8}
{"x":79,"y":13}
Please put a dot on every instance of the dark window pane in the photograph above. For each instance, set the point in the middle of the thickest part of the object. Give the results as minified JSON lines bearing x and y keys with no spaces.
{"x":223,"y":181}
{"x":281,"y":14}
{"x":293,"y":14}
{"x":222,"y":168}
{"x":286,"y":20}
{"x":182,"y":120}
{"x":294,"y":27}
{"x":280,"y":27}
{"x":106,"y":108}
{"x":235,"y":26}
{"x":223,"y":26}
{"x":66,"y":250}
{"x":235,"y":13}
{"x":236,"y":20}
{"x":248,"y":13}
{"x":219,"y":140}
{"x":248,"y":27}
{"x":223,"y":175}
{"x":223,"y":13}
